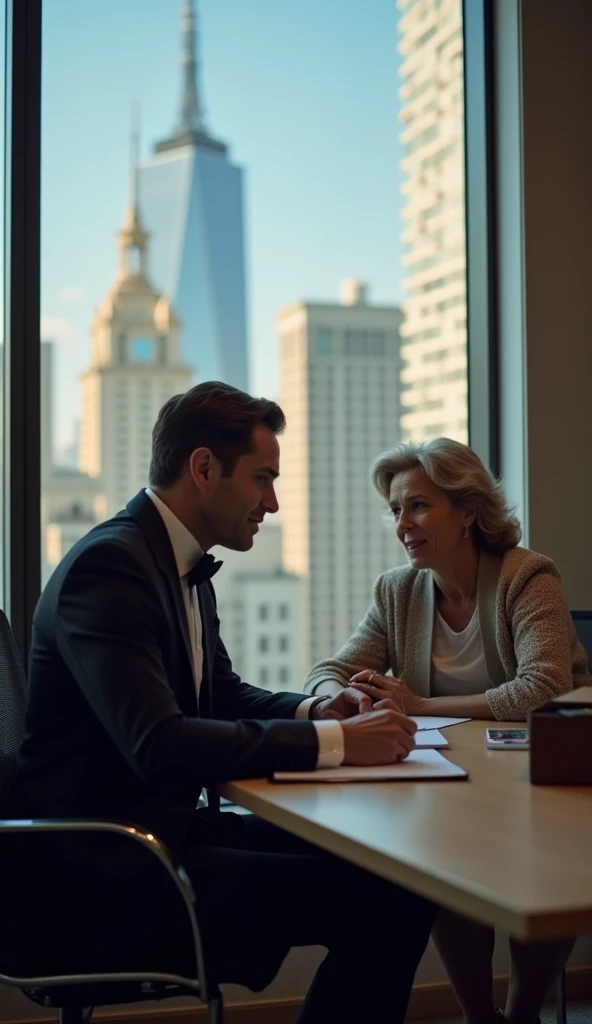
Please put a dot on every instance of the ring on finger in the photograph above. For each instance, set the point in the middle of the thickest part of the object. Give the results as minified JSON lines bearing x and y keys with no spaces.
{"x":371,"y":677}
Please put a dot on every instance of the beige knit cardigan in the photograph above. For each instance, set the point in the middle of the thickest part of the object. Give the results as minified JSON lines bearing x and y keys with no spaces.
{"x":531,"y":649}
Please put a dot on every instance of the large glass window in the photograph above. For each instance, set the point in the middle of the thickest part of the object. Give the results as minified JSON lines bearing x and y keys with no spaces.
{"x":304,"y":242}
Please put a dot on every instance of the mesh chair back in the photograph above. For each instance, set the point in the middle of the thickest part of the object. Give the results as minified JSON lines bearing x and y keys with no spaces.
{"x":13,"y":700}
{"x":582,"y":621}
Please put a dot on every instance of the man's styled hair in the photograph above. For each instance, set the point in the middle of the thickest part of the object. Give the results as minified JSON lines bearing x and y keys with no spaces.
{"x":210,"y":415}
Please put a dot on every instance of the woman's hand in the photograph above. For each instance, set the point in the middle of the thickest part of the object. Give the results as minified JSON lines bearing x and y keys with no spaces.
{"x":388,"y":688}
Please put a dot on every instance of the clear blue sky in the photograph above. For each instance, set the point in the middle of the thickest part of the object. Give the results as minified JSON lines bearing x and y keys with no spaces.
{"x":304,"y":93}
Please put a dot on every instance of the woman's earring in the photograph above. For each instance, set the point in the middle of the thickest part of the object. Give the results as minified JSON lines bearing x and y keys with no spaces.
{"x":466,"y":533}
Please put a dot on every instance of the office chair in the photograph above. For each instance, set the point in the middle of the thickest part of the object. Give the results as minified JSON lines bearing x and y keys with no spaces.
{"x":24,"y":843}
{"x":13,"y":701}
{"x":582,"y":621}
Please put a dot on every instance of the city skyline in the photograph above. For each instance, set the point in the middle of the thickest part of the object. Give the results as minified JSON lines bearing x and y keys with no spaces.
{"x":353,"y":225}
{"x":355,"y":371}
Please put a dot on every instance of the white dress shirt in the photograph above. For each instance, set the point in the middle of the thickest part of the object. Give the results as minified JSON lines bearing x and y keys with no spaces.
{"x":187,"y":553}
{"x":458,"y":659}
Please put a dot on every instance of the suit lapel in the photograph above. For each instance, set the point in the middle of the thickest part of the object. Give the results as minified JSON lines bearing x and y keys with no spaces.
{"x":149,"y":520}
{"x":174,"y":588}
{"x":206,"y":697}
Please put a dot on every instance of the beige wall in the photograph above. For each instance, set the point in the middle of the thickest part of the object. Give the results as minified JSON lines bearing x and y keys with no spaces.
{"x":544,"y":237}
{"x":558,"y":233}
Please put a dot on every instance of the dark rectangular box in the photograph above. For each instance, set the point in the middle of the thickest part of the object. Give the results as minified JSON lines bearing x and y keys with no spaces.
{"x":560,"y":744}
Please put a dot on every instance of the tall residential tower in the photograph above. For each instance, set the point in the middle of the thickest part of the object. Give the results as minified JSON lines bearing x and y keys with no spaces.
{"x":434,"y":344}
{"x":339,"y":386}
{"x":192,"y":202}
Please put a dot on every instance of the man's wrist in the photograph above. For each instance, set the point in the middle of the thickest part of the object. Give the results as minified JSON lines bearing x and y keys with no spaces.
{"x":315,"y":709}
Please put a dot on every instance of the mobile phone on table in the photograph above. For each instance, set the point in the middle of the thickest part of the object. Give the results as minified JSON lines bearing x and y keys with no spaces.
{"x":507,"y":739}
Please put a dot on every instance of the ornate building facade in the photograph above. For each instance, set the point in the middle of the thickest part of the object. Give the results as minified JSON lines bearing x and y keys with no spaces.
{"x":135,"y":368}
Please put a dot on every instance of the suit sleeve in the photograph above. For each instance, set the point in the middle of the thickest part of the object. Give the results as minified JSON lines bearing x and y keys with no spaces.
{"x":110,"y":634}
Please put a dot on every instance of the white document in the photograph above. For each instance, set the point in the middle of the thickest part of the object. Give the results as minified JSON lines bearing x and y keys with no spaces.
{"x":421,"y":764}
{"x":434,"y":722}
{"x":430,"y":739}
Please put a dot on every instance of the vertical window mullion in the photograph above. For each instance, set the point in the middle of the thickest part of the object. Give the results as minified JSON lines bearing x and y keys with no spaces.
{"x":22,"y":305}
{"x":483,"y":389}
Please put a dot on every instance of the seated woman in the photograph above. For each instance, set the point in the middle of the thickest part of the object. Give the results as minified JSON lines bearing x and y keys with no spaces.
{"x":474,"y":626}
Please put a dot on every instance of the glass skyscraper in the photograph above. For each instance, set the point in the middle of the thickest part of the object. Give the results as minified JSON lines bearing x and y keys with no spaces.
{"x":192,"y":204}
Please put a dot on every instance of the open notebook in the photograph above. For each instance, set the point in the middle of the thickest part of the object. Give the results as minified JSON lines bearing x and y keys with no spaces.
{"x":421,"y":764}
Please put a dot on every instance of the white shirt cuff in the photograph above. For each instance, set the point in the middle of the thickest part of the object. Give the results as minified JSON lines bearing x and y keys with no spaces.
{"x":329,"y":736}
{"x":331,"y":745}
{"x":304,"y":707}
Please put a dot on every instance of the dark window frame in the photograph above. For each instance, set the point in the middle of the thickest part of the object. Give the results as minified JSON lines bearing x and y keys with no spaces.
{"x":481,"y":241}
{"x":22,"y":466}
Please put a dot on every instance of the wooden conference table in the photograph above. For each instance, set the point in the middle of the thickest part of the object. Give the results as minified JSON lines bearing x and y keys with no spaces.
{"x":494,"y":847}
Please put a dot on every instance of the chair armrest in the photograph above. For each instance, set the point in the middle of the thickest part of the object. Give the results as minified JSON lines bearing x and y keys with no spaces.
{"x":28,"y":828}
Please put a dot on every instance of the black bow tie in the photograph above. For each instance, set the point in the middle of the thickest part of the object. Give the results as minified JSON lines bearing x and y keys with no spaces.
{"x":202,"y":570}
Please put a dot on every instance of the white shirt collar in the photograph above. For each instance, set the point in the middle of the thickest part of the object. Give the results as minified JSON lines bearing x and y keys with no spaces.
{"x":186,"y":549}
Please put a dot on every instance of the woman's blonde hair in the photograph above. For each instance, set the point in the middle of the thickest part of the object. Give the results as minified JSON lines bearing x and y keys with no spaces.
{"x":459,"y":472}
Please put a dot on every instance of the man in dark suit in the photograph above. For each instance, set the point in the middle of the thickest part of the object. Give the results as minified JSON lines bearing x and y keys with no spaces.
{"x":134,"y":708}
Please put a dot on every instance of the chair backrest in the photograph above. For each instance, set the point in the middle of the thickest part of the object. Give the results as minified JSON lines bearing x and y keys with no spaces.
{"x":582,"y":621}
{"x":13,"y":699}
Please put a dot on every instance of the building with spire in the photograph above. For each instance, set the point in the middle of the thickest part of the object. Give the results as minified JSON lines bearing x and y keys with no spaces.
{"x":135,"y":367}
{"x":192,"y":201}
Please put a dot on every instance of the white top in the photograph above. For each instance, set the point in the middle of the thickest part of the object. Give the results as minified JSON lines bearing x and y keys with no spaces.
{"x":458,"y":660}
{"x":187,"y":553}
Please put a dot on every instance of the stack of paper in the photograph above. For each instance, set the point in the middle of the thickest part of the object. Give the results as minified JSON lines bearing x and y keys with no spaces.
{"x":435,"y":722}
{"x":421,"y":764}
{"x":430,"y":739}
